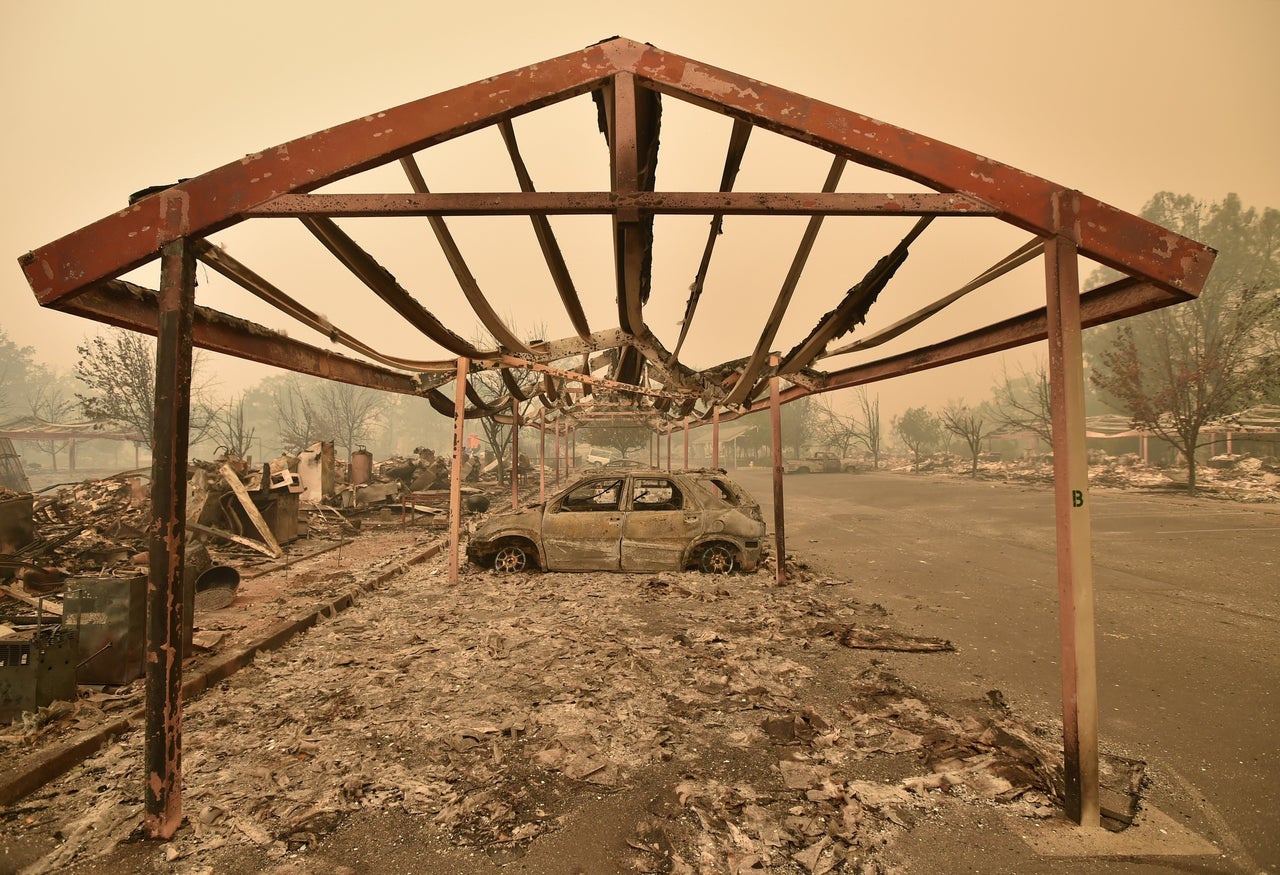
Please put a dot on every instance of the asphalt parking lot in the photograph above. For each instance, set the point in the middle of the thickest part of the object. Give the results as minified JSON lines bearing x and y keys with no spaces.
{"x":1187,"y":620}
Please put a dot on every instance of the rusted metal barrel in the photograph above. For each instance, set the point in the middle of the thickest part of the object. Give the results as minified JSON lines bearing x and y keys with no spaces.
{"x":361,"y":466}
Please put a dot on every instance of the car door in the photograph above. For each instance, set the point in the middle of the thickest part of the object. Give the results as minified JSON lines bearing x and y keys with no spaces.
{"x":582,"y":530}
{"x":660,"y":522}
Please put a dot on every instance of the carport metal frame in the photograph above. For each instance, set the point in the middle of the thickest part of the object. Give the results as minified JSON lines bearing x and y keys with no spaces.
{"x":80,"y":273}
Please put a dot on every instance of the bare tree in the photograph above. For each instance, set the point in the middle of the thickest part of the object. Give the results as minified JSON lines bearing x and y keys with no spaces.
{"x":118,"y":370}
{"x":228,"y":427}
{"x":972,"y":425}
{"x":841,"y":432}
{"x":869,"y":433}
{"x":1022,"y":402}
{"x":300,"y":418}
{"x":836,"y":430}
{"x":351,"y":411}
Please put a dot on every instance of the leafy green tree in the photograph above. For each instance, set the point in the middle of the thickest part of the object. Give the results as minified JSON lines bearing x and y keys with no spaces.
{"x":118,"y":371}
{"x":16,"y":362}
{"x":919,"y":430}
{"x":621,"y":438}
{"x":1182,"y":368}
{"x":799,"y":421}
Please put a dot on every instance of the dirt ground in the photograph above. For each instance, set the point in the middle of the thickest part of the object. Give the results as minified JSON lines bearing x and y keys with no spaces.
{"x":672,"y":723}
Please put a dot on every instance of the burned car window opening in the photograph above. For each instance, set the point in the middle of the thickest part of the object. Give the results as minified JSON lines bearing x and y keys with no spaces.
{"x":595,"y":496}
{"x":656,"y":494}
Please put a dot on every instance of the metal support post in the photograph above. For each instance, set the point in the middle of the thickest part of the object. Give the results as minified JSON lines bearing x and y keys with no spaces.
{"x":775,"y":424}
{"x":668,"y":447}
{"x":686,"y":443}
{"x":715,"y":437}
{"x":557,"y":453}
{"x":542,"y":454}
{"x":164,"y":645}
{"x":515,"y":453}
{"x":455,"y":476}
{"x":1071,"y":505}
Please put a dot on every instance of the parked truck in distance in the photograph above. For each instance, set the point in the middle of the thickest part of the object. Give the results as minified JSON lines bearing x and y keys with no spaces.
{"x":819,"y":462}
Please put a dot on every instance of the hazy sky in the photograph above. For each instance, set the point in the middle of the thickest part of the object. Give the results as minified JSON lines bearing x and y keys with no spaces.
{"x":1116,"y":99}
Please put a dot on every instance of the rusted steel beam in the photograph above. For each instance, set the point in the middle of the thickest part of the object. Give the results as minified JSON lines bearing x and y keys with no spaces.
{"x":466,"y":280}
{"x":775,"y":432}
{"x":546,"y":238}
{"x":250,"y":281}
{"x":751,"y":370}
{"x":686,"y":443}
{"x":599,"y":382}
{"x":384,"y":285}
{"x":732,"y":163}
{"x":623,"y":123}
{"x":542,"y":454}
{"x":587,"y":203}
{"x":852,"y":310}
{"x":132,"y":236}
{"x":126,"y":305}
{"x":1074,"y":534}
{"x":167,"y":537}
{"x":455,"y":472}
{"x":1125,"y":297}
{"x":1106,"y":234}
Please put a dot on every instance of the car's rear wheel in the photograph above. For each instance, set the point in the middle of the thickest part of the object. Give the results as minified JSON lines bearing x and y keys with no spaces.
{"x":512,"y":557}
{"x":716,"y":559}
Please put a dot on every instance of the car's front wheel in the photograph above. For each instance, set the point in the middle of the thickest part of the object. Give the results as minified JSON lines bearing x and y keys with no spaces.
{"x":512,"y":557}
{"x":716,"y":559}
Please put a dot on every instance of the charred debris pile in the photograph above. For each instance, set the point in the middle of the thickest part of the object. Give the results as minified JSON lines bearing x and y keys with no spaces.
{"x":73,"y":562}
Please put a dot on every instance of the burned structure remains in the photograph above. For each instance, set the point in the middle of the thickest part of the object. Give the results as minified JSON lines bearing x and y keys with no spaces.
{"x":625,"y":371}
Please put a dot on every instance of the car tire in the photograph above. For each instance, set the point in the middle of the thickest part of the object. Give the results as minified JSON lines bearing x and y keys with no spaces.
{"x":802,"y":470}
{"x":716,"y":559}
{"x":512,"y":558}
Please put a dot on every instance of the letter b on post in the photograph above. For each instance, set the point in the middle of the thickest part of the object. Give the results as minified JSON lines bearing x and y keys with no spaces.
{"x":1077,"y":498}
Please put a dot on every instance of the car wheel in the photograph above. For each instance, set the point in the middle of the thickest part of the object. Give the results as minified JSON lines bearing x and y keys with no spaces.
{"x":511,"y":558}
{"x":802,"y":470}
{"x":716,"y":559}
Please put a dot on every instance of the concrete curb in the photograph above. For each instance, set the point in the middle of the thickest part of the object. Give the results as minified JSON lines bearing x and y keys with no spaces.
{"x":41,"y":767}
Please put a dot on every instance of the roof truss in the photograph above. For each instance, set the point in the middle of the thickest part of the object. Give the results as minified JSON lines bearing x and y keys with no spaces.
{"x":80,"y":273}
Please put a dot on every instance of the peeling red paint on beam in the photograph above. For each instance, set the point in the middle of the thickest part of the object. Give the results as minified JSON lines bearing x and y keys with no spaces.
{"x":132,"y":307}
{"x":134,"y":235}
{"x":1111,"y":236}
{"x":167,"y":537}
{"x":1126,"y":297}
{"x":604,"y":203}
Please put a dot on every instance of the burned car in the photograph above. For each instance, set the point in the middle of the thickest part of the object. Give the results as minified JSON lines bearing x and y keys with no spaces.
{"x":629,"y":520}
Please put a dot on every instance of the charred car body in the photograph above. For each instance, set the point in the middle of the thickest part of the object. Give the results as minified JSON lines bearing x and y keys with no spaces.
{"x":629,"y":520}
